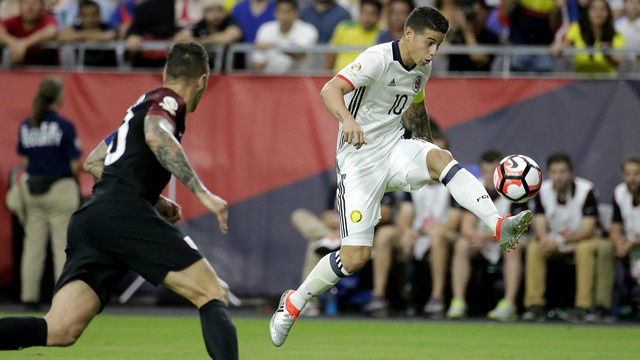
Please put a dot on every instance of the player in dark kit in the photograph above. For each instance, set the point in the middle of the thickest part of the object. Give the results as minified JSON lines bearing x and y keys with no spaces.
{"x":127,"y":224}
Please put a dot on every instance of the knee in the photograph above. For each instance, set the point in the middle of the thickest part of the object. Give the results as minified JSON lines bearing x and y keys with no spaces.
{"x":211,"y":290}
{"x":354,"y":259}
{"x":219,"y":291}
{"x":606,"y":249}
{"x":437,"y":160}
{"x":584,"y":248}
{"x":385,"y":237}
{"x":63,"y":334}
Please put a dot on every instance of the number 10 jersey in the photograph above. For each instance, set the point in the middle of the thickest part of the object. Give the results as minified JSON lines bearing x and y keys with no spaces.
{"x":384,"y":88}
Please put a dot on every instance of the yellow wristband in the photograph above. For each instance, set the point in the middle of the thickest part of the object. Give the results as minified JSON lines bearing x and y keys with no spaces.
{"x":419,"y":98}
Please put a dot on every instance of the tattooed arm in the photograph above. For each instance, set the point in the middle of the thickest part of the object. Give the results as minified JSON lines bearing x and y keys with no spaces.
{"x":417,"y":120}
{"x":158,"y":133}
{"x":95,"y":161}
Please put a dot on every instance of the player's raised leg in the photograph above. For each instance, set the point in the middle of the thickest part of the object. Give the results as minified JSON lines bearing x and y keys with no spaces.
{"x":470,"y":193}
{"x":72,"y":309}
{"x":200,"y":284}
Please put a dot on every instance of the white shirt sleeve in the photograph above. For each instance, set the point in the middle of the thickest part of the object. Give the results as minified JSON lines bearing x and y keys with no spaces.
{"x":308,"y":35}
{"x":364,"y":70}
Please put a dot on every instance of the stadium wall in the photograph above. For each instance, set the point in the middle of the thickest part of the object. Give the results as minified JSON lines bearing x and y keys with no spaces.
{"x":267,"y":146}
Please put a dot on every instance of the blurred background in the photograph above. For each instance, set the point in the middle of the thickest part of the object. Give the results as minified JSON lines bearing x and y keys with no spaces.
{"x":536,"y":77}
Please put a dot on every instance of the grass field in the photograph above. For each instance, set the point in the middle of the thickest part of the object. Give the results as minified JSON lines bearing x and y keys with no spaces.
{"x":151,"y":337}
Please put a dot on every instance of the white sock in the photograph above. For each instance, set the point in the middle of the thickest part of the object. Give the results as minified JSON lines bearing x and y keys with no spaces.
{"x":324,"y":275}
{"x":470,"y":193}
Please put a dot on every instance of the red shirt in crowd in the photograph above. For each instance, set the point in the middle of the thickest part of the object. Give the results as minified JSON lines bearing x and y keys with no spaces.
{"x":35,"y":56}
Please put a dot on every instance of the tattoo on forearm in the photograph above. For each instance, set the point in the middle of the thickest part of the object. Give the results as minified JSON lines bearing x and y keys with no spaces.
{"x":171,"y":155}
{"x":417,"y":120}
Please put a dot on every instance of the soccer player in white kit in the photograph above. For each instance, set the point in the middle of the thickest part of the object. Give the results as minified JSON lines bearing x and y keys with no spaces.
{"x":372,"y":98}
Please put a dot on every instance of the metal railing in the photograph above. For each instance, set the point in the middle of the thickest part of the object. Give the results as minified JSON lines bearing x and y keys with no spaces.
{"x":223,"y":58}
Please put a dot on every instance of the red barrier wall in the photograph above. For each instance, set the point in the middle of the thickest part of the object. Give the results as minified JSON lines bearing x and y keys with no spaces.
{"x":248,"y":135}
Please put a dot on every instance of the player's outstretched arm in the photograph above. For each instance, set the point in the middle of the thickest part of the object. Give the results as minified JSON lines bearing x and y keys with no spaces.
{"x":94,"y":164}
{"x":158,"y":133}
{"x":416,"y":119}
{"x":333,"y":97}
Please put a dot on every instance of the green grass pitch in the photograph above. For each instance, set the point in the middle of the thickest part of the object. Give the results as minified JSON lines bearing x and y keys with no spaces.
{"x":115,"y":337}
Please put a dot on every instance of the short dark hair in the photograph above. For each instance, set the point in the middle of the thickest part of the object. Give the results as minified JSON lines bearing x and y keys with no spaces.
{"x":560,"y":157}
{"x":293,"y":3}
{"x":424,"y":17}
{"x":490,"y":156}
{"x":88,"y":3}
{"x":187,"y":60}
{"x":634,"y":159}
{"x":374,"y":3}
{"x":409,"y":3}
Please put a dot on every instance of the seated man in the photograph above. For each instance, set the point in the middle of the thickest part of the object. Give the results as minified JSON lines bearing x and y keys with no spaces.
{"x":475,"y":239}
{"x":91,"y":28}
{"x":424,"y":220}
{"x":286,"y":31}
{"x":216,"y":28}
{"x":566,"y":223}
{"x":22,"y":33}
{"x":625,"y":228}
{"x":154,"y":20}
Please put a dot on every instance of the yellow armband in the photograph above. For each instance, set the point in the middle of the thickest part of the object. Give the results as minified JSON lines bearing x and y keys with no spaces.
{"x":419,"y":98}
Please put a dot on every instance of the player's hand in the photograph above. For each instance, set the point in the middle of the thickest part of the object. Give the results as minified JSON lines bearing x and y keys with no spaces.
{"x":353,"y":133}
{"x":17,"y":52}
{"x":548,"y":246}
{"x":622,"y":247}
{"x":218,"y":206}
{"x":169,"y":209}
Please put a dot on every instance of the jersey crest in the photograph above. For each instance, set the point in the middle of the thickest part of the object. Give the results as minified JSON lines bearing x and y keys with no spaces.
{"x":417,"y":84}
{"x":170,"y":105}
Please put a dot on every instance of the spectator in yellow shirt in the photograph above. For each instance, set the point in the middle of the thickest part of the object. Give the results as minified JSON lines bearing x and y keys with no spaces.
{"x":364,"y":32}
{"x":594,"y":28}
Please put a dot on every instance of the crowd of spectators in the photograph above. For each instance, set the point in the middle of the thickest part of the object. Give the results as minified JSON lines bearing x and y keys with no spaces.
{"x":433,"y":258}
{"x":556,"y":24}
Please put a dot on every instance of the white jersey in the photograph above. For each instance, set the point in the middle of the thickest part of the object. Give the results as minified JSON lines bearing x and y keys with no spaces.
{"x":625,"y":212}
{"x":384,"y":88}
{"x":566,"y":217}
{"x":432,"y":203}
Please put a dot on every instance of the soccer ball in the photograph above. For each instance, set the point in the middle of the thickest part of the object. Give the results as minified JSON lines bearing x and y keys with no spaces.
{"x":517,"y":178}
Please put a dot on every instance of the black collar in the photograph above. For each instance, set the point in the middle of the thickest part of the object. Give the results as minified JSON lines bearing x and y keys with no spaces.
{"x":396,"y":55}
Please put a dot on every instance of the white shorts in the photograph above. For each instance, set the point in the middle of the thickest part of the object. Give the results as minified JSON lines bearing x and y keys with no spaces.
{"x":359,"y":193}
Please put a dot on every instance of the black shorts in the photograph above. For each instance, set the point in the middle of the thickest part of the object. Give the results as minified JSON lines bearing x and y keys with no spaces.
{"x":107,"y":239}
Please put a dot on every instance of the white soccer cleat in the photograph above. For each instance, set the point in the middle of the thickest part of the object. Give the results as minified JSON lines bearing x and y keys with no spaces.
{"x":510,"y":228}
{"x":283,"y":319}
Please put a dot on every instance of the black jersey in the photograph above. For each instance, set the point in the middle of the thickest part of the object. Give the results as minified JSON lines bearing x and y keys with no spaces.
{"x":131,"y":170}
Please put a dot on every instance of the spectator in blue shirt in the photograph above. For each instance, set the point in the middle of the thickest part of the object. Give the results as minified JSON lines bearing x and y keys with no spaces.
{"x":250,"y":14}
{"x":325,"y":16}
{"x":48,"y":146}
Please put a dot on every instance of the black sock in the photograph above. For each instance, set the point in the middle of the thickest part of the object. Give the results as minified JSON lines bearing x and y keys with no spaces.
{"x":21,"y":332}
{"x":218,"y":330}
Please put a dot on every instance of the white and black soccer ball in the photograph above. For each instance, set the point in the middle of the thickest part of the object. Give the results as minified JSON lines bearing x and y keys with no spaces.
{"x":517,"y":178}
